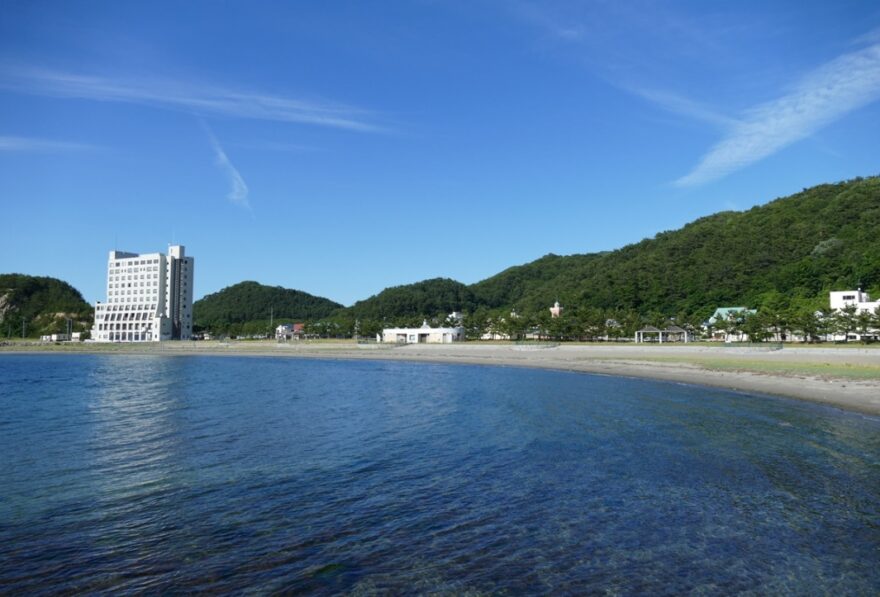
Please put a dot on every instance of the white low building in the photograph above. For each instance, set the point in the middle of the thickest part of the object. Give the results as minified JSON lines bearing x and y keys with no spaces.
{"x":289,"y":331}
{"x":55,"y":338}
{"x":840,"y":299}
{"x":149,"y":298}
{"x":423,"y":335}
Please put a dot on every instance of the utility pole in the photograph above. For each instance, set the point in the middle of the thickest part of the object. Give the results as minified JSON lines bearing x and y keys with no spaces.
{"x":23,"y":327}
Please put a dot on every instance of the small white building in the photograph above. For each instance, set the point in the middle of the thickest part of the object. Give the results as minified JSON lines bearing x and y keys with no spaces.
{"x":289,"y":331}
{"x":423,"y":335}
{"x":844,"y":298}
{"x":55,"y":338}
{"x":284,"y":332}
{"x":840,"y":299}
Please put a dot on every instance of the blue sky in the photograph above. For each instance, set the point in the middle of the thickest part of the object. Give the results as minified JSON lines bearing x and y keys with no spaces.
{"x":343,"y":147}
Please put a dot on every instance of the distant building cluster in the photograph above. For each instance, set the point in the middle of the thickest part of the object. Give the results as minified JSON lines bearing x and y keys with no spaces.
{"x":149,"y":297}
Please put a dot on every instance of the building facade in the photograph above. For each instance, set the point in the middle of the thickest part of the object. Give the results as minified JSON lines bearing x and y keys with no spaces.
{"x":149,"y":297}
{"x":423,"y":335}
{"x":289,"y":331}
{"x":840,"y":299}
{"x":860,"y":302}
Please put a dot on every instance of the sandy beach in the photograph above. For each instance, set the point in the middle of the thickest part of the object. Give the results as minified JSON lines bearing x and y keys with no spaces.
{"x":844,"y":377}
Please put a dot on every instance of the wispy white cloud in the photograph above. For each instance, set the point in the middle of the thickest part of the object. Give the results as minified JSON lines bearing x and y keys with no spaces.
{"x":603,"y":34}
{"x":678,"y":104}
{"x":202,"y":100}
{"x":238,"y":190}
{"x":826,"y":94}
{"x":31,"y":144}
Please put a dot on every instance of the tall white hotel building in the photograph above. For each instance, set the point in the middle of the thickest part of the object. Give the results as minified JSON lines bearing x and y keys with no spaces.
{"x":149,"y":298}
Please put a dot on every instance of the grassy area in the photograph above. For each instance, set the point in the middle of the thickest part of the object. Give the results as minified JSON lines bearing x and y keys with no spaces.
{"x":813,"y":369}
{"x":838,"y":370}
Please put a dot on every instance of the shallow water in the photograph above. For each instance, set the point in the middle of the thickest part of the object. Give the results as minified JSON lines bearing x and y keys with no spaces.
{"x":150,"y":473}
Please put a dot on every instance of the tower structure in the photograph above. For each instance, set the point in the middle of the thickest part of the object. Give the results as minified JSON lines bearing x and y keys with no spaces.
{"x":149,"y":297}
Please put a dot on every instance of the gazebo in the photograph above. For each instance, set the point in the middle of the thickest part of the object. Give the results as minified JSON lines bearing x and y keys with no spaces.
{"x":672,"y":333}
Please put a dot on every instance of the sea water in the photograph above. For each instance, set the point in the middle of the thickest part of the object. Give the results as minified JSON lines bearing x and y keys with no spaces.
{"x":225,"y":474}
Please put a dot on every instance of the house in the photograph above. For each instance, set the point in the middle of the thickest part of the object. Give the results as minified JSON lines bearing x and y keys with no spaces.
{"x":289,"y":331}
{"x":422,"y":335}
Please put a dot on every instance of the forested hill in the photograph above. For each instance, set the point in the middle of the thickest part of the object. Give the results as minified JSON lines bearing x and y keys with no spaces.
{"x":43,"y":304}
{"x":411,"y":302}
{"x":792,"y":249}
{"x":250,"y":302}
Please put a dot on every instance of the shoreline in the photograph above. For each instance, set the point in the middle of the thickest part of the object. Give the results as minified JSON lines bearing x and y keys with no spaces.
{"x":843,"y":377}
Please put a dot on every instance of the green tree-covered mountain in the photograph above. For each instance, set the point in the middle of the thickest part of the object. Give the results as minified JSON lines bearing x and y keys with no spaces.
{"x":43,"y":304}
{"x":248,"y":307}
{"x":785,"y":255}
{"x":790,"y":251}
{"x":428,"y":297}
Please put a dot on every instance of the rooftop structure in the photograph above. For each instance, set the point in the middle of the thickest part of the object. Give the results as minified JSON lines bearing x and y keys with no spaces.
{"x":149,"y":297}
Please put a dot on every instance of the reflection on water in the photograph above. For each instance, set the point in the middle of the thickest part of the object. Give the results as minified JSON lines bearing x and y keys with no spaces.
{"x":165,"y":474}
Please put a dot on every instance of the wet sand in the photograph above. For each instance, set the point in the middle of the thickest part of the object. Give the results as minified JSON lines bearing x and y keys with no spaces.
{"x":844,"y":377}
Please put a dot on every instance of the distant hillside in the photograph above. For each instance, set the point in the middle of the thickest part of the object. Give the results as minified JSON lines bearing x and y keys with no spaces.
{"x":787,"y":253}
{"x":429,"y":297}
{"x":793,"y":249}
{"x":44,"y":304}
{"x":254,"y":304}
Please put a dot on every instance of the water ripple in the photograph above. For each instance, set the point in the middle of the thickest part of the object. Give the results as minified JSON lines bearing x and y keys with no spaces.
{"x":184,"y":474}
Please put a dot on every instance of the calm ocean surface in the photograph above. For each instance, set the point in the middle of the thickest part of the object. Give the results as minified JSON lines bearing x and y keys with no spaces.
{"x":179,"y":474}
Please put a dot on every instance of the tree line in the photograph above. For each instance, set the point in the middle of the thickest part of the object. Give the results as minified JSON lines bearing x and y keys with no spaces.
{"x":585,"y":324}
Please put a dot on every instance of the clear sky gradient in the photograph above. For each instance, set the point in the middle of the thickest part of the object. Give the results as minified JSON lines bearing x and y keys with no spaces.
{"x":343,"y":147}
